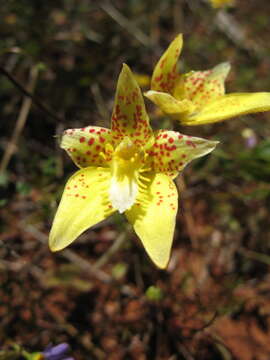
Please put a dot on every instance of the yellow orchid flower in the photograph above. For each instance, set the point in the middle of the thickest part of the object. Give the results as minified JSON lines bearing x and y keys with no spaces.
{"x":198,"y":97}
{"x":221,"y":3}
{"x":128,"y":168}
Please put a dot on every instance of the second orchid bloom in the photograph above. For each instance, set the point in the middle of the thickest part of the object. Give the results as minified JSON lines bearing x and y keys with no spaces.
{"x":198,"y":97}
{"x":128,"y":168}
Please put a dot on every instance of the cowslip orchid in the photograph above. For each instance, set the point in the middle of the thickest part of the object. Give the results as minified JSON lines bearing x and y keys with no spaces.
{"x":129,"y":168}
{"x":198,"y":97}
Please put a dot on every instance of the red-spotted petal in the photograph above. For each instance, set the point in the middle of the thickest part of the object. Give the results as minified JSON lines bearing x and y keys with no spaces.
{"x":89,"y":146}
{"x":165,"y":73}
{"x":153,"y":217}
{"x":172,"y":151}
{"x":129,"y":116}
{"x":84,"y":203}
{"x":201,"y":87}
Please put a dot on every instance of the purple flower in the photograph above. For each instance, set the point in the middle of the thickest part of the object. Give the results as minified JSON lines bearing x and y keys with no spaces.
{"x":250,"y":138}
{"x":58,"y":352}
{"x":251,"y":141}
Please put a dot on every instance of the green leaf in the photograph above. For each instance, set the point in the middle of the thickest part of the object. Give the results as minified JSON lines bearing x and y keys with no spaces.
{"x":23,"y":188}
{"x":119,"y":271}
{"x":154,"y":293}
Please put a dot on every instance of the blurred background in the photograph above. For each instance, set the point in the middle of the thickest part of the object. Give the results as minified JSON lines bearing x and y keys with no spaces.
{"x":102,"y":295}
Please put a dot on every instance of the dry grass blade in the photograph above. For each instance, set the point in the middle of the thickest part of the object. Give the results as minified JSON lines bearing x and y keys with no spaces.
{"x":125,"y":23}
{"x":112,"y":250}
{"x":71,"y":256}
{"x":21,"y":120}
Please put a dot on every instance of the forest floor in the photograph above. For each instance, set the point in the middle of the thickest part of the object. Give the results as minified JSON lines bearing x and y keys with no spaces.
{"x":102,"y":294}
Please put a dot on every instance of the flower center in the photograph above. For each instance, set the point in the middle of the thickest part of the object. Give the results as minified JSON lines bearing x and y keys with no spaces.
{"x":127,"y":157}
{"x":127,"y":163}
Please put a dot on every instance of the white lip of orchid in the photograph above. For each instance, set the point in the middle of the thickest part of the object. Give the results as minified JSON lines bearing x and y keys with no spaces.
{"x":126,"y":165}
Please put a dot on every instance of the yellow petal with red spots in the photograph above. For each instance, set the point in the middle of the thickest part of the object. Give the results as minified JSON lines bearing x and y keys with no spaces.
{"x":89,"y":146}
{"x":201,"y":87}
{"x":176,"y":109}
{"x":229,"y":106}
{"x":165,"y":72}
{"x":84,"y":203}
{"x":153,"y":217}
{"x":129,"y":116}
{"x":172,"y":151}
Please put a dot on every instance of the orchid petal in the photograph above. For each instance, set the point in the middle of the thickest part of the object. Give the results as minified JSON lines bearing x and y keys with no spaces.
{"x":170,"y":105}
{"x":172,"y":151}
{"x":201,"y":87}
{"x":129,"y":116}
{"x":153,"y":218}
{"x":229,"y":106}
{"x":164,"y":75}
{"x":87,"y":146}
{"x":84,"y":203}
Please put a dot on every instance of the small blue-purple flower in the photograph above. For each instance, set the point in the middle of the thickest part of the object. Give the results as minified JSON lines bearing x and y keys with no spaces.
{"x":58,"y":352}
{"x":250,"y":138}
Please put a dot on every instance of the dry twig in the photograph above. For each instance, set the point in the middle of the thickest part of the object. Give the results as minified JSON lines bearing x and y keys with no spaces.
{"x":20,"y":123}
{"x":112,"y":250}
{"x":124,"y":22}
{"x":28,"y":94}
